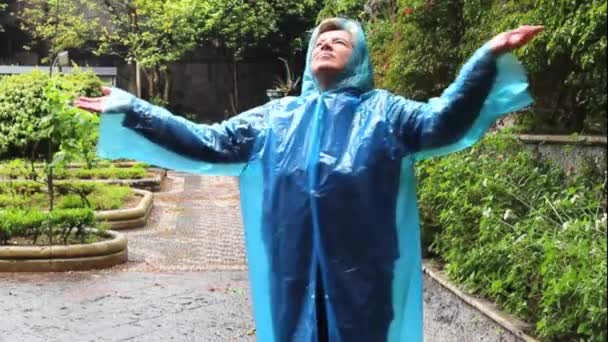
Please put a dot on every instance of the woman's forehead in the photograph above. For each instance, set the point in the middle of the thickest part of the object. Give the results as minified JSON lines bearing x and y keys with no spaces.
{"x":335,"y":34}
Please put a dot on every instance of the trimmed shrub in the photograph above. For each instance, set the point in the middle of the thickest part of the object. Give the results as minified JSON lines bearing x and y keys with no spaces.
{"x":57,"y":226}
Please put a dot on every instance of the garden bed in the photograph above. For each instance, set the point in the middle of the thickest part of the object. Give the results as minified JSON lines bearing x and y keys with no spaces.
{"x":110,"y":251}
{"x":129,"y":218}
{"x":118,"y":206}
{"x":130,"y":174}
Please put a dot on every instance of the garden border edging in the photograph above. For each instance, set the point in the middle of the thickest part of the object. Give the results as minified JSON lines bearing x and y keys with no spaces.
{"x":488,"y":309}
{"x":153,"y":184}
{"x":62,"y":258}
{"x":129,"y":218}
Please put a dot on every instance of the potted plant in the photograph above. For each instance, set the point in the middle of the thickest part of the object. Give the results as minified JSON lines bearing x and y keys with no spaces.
{"x":283,"y":87}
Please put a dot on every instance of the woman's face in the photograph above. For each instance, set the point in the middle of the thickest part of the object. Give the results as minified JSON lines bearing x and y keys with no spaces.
{"x":331,"y":54}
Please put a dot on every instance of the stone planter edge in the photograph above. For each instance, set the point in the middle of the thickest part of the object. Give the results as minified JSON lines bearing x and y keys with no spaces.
{"x":563,"y":139}
{"x":129,"y":218}
{"x":62,"y":258}
{"x":153,"y":183}
{"x":487,"y":308}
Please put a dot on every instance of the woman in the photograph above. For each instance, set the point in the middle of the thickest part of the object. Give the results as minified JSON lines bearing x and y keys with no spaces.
{"x":327,"y":180}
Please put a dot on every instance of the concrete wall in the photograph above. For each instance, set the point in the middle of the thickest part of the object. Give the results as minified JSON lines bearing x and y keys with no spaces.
{"x":568,"y":153}
{"x":205,"y":88}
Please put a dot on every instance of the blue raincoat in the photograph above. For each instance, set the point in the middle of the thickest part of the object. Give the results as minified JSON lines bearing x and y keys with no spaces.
{"x":327,"y":188}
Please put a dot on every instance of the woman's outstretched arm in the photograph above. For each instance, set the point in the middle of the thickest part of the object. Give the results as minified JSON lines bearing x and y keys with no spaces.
{"x":228,"y":142}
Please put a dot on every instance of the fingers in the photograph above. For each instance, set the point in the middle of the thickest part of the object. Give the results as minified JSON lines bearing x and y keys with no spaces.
{"x":529,"y":31}
{"x":90,"y":99}
{"x":522,"y":35}
{"x":95,"y":107}
{"x":106,"y":90}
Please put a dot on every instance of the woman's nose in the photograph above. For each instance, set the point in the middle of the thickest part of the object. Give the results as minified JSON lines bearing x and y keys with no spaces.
{"x":325,"y":46}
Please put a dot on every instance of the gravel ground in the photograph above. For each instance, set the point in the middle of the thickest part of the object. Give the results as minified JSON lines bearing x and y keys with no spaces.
{"x":186,"y":279}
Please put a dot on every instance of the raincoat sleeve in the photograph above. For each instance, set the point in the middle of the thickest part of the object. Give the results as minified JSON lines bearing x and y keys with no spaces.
{"x":135,"y":129}
{"x":486,"y":88}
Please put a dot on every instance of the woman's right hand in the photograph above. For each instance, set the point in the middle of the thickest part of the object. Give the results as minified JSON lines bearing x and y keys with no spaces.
{"x":94,"y":104}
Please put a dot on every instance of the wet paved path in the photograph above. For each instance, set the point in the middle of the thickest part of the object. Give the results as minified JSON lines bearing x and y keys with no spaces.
{"x":186,"y":279}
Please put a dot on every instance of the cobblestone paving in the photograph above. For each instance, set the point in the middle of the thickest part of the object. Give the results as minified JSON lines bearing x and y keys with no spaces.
{"x":196,"y":226}
{"x":186,"y":279}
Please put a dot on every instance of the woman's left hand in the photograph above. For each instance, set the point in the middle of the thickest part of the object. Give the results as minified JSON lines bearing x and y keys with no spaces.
{"x":511,"y":40}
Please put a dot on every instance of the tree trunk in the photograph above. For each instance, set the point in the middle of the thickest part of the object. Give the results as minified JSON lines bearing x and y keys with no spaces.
{"x":138,"y":79}
{"x":167,"y":84}
{"x":235,"y":82}
{"x":49,"y":178}
{"x":150,"y":79}
{"x":156,"y":81}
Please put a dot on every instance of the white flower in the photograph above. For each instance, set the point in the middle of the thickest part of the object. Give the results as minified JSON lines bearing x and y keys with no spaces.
{"x":487,"y":212}
{"x":566,"y":225}
{"x":520,"y":238}
{"x":601,"y":223}
{"x":575,"y":198}
{"x":509,"y":214}
{"x":485,"y":183}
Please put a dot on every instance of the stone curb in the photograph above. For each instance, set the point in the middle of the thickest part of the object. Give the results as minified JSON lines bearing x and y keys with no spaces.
{"x":151,"y":184}
{"x":129,"y":218}
{"x":563,"y":139}
{"x":485,"y":307}
{"x":115,"y":164}
{"x":63,"y":258}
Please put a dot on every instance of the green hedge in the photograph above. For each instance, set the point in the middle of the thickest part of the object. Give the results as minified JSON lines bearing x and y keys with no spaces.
{"x":521,"y":233}
{"x":59,"y":226}
{"x":17,"y":169}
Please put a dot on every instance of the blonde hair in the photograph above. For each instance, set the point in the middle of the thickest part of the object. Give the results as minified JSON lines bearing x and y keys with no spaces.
{"x":337,"y":24}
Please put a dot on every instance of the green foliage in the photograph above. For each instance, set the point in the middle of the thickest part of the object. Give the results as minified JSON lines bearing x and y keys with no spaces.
{"x":342,"y":8}
{"x":20,"y":223}
{"x":31,"y":194}
{"x":567,"y":63}
{"x":154,"y":33}
{"x":246,"y":24}
{"x":109,"y":172}
{"x":35,"y":110}
{"x":57,"y":226}
{"x":110,"y":197}
{"x":63,"y":24}
{"x":417,"y":47}
{"x":519,"y":232}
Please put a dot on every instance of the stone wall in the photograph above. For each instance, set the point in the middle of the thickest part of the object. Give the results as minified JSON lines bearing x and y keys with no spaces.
{"x":570,"y":153}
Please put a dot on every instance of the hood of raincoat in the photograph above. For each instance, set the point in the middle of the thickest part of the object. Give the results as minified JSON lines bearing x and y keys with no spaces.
{"x":358,"y":73}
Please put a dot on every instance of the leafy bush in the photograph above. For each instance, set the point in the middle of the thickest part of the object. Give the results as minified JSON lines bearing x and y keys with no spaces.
{"x":20,"y":223}
{"x":32,"y":108}
{"x":417,"y":47}
{"x":57,"y":226}
{"x":521,"y":233}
